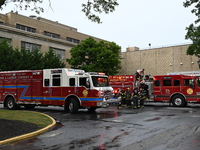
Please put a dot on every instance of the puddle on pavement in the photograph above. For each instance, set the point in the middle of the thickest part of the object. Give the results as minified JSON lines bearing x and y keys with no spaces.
{"x":167,"y":115}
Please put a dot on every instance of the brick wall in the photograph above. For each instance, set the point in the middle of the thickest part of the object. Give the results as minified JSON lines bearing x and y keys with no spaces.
{"x":158,"y":61}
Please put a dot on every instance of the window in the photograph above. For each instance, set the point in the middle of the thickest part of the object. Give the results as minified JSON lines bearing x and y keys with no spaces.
{"x":72,"y":82}
{"x":30,"y":46}
{"x":56,"y":80}
{"x":73,"y":40}
{"x":166,"y":82}
{"x":59,"y":52}
{"x":198,"y":81}
{"x":84,"y":82}
{"x":176,"y":82}
{"x":46,"y":82}
{"x":1,"y":22}
{"x":157,"y":83}
{"x":100,"y":81}
{"x":53,"y":35}
{"x":7,"y":40}
{"x":188,"y":82}
{"x":25,"y":28}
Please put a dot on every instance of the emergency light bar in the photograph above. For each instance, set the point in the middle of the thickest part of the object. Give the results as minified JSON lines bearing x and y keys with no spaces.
{"x":96,"y":73}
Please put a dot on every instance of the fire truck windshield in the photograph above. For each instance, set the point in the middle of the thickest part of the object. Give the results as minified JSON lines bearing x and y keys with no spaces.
{"x":100,"y":81}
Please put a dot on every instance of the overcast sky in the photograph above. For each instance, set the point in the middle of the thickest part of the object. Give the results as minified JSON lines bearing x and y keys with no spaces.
{"x":134,"y":23}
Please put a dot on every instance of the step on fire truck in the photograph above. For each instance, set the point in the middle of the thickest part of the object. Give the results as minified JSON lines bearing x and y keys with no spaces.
{"x":74,"y":89}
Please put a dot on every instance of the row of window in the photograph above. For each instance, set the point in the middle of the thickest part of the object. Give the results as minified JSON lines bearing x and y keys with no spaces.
{"x":176,"y":82}
{"x":73,"y":40}
{"x":25,"y":28}
{"x":59,"y":52}
{"x":31,"y":47}
{"x":56,"y":81}
{"x":53,"y":35}
{"x":46,"y":33}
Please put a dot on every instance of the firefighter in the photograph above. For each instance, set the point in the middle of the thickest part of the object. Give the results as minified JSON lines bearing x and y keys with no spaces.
{"x":136,"y":79}
{"x":123,"y":97}
{"x":128,"y":97}
{"x":142,"y":96}
{"x":135,"y":95}
{"x":144,"y":86}
{"x":118,"y":97}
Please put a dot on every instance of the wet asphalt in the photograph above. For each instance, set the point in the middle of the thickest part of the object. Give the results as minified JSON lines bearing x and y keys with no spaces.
{"x":155,"y":127}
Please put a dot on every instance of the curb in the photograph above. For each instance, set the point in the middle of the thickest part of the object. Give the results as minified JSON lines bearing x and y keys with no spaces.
{"x":32,"y":134}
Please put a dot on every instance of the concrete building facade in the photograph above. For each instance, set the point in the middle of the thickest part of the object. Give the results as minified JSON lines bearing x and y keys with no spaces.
{"x":36,"y":32}
{"x":158,"y":61}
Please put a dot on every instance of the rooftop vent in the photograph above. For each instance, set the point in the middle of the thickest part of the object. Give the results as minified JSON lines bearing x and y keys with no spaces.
{"x":33,"y":16}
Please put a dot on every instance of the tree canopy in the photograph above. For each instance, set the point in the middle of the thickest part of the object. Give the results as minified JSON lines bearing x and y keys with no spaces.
{"x":93,"y":56}
{"x":90,"y":8}
{"x":193,"y":30}
{"x":14,"y":59}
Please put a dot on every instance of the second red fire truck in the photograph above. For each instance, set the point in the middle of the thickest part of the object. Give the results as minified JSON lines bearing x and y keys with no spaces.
{"x":176,"y":88}
{"x":71,"y":88}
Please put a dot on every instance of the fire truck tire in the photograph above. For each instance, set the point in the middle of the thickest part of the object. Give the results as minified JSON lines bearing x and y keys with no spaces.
{"x":73,"y":105}
{"x":10,"y":103}
{"x":178,"y":101}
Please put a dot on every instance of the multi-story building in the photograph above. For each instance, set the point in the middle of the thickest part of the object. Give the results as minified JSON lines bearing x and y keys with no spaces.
{"x":36,"y":32}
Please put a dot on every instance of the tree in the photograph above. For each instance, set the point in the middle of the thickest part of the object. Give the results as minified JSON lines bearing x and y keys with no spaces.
{"x":25,"y":60}
{"x":93,"y":56}
{"x":51,"y":60}
{"x":98,"y":6}
{"x":6,"y":55}
{"x":90,"y":8}
{"x":193,"y":31}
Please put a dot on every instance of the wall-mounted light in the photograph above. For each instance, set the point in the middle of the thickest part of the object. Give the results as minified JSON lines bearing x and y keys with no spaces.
{"x":181,"y":63}
{"x":170,"y":64}
{"x":192,"y":62}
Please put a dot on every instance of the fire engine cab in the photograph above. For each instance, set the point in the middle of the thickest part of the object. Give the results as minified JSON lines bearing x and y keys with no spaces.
{"x":74,"y":89}
{"x":176,"y":88}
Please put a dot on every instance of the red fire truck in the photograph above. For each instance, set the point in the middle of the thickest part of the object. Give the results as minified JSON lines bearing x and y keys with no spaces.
{"x":74,"y":89}
{"x":176,"y":88}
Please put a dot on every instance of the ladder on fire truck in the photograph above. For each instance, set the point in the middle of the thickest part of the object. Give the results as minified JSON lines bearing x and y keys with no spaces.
{"x":189,"y":73}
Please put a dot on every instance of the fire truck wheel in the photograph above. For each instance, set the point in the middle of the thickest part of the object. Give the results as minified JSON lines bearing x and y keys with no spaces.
{"x":10,"y":103}
{"x":178,"y":101}
{"x":73,"y":105}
